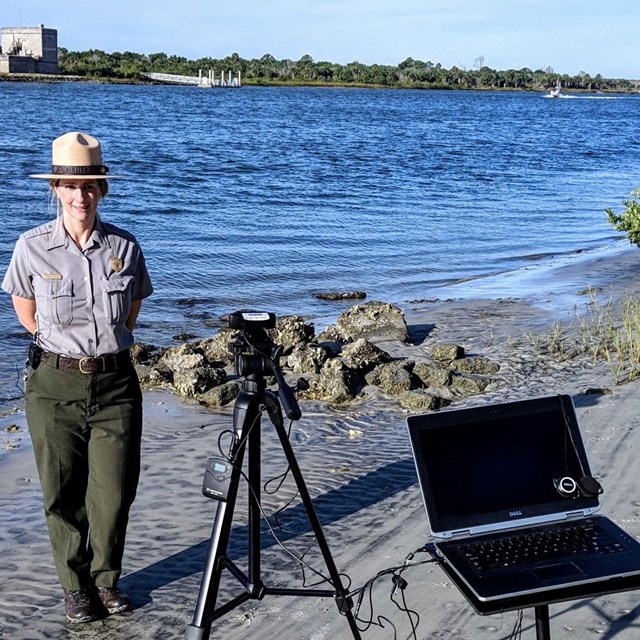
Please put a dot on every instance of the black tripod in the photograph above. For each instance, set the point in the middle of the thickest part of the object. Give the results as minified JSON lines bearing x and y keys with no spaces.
{"x":255,"y":356}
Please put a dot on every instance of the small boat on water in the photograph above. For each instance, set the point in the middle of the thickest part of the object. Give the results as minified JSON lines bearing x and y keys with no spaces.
{"x":557,"y":92}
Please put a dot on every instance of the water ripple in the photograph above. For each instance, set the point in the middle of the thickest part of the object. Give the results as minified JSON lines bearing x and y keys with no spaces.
{"x":261,"y":197}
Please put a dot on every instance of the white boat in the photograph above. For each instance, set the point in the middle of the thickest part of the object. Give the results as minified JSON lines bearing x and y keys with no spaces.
{"x":557,"y":92}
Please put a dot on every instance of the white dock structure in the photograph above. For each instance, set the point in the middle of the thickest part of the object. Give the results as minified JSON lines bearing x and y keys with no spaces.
{"x":208,"y":81}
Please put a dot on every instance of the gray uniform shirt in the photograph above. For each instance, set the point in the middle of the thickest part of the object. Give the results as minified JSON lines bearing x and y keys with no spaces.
{"x":83,"y":298}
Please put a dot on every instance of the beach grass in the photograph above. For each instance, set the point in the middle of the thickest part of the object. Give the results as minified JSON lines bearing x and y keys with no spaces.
{"x":607,"y":331}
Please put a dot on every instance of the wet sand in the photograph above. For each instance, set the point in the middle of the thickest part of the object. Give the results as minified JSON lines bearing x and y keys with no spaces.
{"x":357,"y":464}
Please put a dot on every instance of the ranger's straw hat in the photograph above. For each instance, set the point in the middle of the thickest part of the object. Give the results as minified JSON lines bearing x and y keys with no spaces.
{"x":76,"y":155}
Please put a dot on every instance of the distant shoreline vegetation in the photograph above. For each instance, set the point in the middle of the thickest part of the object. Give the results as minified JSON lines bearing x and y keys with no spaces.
{"x":98,"y":65}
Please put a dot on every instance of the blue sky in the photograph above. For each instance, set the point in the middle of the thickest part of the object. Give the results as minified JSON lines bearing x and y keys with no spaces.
{"x":596,"y":36}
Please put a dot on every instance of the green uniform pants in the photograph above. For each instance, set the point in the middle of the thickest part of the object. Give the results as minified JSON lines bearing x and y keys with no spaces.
{"x":86,"y":431}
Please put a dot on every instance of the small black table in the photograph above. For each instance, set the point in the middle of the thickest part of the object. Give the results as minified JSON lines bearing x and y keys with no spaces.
{"x":541,"y":601}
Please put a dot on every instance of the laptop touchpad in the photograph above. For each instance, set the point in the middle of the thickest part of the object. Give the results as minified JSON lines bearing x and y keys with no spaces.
{"x":556,"y":571}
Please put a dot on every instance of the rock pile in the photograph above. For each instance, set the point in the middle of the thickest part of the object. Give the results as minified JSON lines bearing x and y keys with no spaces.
{"x":340,"y":364}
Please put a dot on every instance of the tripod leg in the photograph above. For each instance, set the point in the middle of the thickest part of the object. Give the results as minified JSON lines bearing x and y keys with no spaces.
{"x":245,"y":414}
{"x":200,"y":626}
{"x":341,"y":595}
{"x":255,"y":515}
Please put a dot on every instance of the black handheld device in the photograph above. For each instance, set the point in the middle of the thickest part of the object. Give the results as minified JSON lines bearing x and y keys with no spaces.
{"x":217,"y":477}
{"x":34,"y":355}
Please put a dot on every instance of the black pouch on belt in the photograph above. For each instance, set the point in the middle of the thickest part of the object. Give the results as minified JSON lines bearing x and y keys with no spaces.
{"x":33,"y":355}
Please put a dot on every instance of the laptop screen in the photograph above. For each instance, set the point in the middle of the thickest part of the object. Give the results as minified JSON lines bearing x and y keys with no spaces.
{"x":496,"y":465}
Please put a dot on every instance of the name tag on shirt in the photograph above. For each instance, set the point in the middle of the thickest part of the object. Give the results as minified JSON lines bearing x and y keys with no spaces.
{"x":52,"y":276}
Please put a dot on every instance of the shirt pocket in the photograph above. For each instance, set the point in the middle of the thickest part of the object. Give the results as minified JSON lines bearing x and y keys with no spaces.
{"x":54,"y":300}
{"x":116,"y":295}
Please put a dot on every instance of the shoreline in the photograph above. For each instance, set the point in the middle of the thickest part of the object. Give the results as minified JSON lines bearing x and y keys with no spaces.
{"x":555,"y":290}
{"x":256,"y":82}
{"x":530,"y":282}
{"x":357,"y":464}
{"x":559,"y":281}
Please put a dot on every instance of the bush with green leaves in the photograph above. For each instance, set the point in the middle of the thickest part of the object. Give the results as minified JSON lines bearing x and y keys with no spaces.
{"x":629,"y":220}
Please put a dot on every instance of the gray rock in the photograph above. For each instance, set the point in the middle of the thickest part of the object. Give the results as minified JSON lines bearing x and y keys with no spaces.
{"x":186,"y":356}
{"x":447,"y":353}
{"x":340,"y":361}
{"x":292,"y":331}
{"x":446,"y":393}
{"x":393,"y":378}
{"x":307,"y":358}
{"x":194,"y":382}
{"x":422,"y":400}
{"x":152,"y":377}
{"x":341,"y":295}
{"x":476,"y":364}
{"x":469,"y":384}
{"x":332,"y":336}
{"x":375,"y":321}
{"x":221,"y":395}
{"x":597,"y":391}
{"x":145,"y":353}
{"x":336,"y":383}
{"x":363,"y":356}
{"x":216,"y":349}
{"x":431,"y":374}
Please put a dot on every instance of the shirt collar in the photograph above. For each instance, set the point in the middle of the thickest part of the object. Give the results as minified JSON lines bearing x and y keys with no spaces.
{"x":58,"y":237}
{"x":99,"y":234}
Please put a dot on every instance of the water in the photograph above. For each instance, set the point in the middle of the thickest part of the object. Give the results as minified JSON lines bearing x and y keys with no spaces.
{"x":261,"y":197}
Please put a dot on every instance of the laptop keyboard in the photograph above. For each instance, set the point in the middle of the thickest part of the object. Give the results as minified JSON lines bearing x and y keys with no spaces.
{"x":557,"y":541}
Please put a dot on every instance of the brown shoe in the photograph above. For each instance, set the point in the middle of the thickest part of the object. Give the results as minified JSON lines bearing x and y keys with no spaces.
{"x":77,"y":605}
{"x":114,"y":600}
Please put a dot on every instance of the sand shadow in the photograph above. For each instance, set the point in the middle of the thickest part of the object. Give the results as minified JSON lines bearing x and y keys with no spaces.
{"x":612,"y":626}
{"x":330,"y":507}
{"x":418,"y":333}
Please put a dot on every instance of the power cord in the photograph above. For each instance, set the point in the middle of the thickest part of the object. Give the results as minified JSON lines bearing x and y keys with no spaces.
{"x":516,"y":633}
{"x":22,"y":375}
{"x":400,"y":584}
{"x":231,"y":459}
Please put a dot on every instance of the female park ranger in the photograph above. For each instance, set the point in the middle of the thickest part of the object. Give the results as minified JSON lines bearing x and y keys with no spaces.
{"x":77,"y":284}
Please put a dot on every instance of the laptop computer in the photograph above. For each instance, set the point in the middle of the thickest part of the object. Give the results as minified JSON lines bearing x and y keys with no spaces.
{"x":510,"y":498}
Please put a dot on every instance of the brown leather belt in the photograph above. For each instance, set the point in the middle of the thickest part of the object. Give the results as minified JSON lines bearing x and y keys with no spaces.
{"x":101,"y":364}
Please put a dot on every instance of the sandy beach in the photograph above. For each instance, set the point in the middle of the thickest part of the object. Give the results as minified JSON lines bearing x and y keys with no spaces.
{"x":357,"y":464}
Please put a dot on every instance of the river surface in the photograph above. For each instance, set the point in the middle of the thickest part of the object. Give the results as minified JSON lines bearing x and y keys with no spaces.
{"x":261,"y":197}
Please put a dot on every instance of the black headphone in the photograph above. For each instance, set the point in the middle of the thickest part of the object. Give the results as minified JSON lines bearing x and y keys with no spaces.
{"x":586,"y":486}
{"x":567,"y":487}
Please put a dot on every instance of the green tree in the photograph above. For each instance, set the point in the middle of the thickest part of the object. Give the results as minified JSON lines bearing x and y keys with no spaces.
{"x":132,"y":66}
{"x":629,"y":220}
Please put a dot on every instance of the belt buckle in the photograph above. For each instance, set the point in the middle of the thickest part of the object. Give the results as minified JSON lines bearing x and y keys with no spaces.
{"x":92,"y":365}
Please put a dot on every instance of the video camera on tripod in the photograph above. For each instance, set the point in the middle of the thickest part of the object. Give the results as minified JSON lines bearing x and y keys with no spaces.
{"x":253,"y":349}
{"x":256,"y":354}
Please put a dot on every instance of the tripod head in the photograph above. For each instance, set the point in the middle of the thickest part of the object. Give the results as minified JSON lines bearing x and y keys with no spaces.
{"x":256,"y":354}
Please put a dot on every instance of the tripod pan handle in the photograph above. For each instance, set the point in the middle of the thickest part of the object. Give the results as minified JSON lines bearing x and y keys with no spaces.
{"x":288,"y":400}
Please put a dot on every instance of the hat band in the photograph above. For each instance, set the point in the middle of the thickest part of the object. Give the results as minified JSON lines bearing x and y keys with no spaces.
{"x":91,"y":170}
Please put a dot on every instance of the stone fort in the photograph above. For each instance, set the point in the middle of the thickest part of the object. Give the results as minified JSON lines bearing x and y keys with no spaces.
{"x":29,"y":50}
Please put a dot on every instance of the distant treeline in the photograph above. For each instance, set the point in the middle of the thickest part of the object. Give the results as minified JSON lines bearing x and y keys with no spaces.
{"x":411,"y":73}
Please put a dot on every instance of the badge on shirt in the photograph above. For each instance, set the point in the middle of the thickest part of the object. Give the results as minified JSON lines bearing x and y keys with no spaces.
{"x":116,"y":264}
{"x":52,"y":276}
